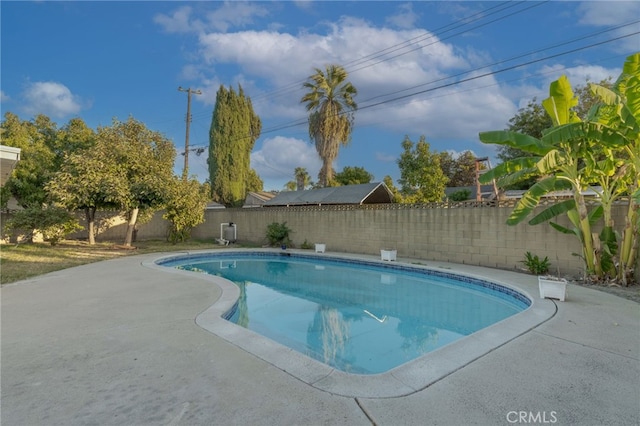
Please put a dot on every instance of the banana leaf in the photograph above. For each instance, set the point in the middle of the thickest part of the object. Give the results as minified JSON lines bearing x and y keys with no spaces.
{"x":585,"y":131}
{"x":631,"y":83}
{"x":595,"y":215}
{"x":517,"y":177}
{"x":511,"y":167}
{"x":551,"y":162}
{"x":531,"y":199}
{"x":564,"y":230}
{"x":553,"y":211}
{"x":560,"y":101}
{"x":516,"y":140}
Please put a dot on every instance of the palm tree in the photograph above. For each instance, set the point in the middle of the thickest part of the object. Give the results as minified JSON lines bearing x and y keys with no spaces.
{"x":331,"y":111}
{"x":302,"y":178}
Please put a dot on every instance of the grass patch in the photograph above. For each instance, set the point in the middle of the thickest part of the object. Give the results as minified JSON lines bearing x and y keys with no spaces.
{"x":29,"y":260}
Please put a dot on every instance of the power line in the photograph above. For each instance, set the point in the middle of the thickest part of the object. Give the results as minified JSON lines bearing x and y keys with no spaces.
{"x":302,"y":121}
{"x":543,"y":49}
{"x":299,"y":122}
{"x":510,"y":68}
{"x":440,"y":40}
{"x":407,"y":43}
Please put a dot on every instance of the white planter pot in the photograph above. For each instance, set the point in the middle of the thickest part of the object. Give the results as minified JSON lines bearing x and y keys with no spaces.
{"x":552,"y":288}
{"x":388,"y":254}
{"x":320,"y":248}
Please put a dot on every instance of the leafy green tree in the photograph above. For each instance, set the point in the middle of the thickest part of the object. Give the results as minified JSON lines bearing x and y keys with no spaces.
{"x":461,"y":170}
{"x":575,"y":154}
{"x":72,"y":137}
{"x":353,"y":176}
{"x":185,"y":207}
{"x":422,"y":179}
{"x":90,"y":179}
{"x":36,"y":140}
{"x":235,"y":127}
{"x":254,"y":183}
{"x":43,"y":149}
{"x":388,"y":181}
{"x":146,"y":159}
{"x":331,"y":108}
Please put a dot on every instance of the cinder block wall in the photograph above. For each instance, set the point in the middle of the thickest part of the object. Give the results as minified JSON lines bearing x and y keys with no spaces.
{"x":471,"y":235}
{"x":477,"y":236}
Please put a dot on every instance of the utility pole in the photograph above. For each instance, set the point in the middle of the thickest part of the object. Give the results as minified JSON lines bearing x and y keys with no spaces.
{"x":185,"y":170}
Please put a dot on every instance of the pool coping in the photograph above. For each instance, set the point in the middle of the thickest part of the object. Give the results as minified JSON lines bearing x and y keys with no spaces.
{"x":403,"y":380}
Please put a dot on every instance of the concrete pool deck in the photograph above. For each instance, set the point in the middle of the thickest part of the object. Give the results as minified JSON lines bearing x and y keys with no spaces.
{"x":117,"y":342}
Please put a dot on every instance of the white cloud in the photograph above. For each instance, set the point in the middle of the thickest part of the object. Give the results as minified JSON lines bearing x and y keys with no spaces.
{"x":405,"y":18}
{"x":278,"y":157}
{"x":303,"y":4}
{"x":271,"y":66}
{"x":457,"y":113}
{"x":578,"y":75}
{"x":601,"y":13}
{"x":4,"y":97}
{"x":178,"y":22}
{"x":228,"y":15}
{"x":281,"y":58}
{"x":235,"y":14}
{"x":50,"y":98}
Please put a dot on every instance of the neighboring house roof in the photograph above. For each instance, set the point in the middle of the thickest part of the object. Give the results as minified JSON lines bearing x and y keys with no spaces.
{"x":367,"y":193}
{"x":214,"y":205}
{"x":9,"y":157}
{"x":567,"y":193}
{"x":257,"y":199}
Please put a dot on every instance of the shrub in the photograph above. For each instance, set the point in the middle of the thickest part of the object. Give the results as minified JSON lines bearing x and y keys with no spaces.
{"x":460,"y":195}
{"x":185,"y":208}
{"x":535,"y":265}
{"x":278,"y":234}
{"x":55,"y":223}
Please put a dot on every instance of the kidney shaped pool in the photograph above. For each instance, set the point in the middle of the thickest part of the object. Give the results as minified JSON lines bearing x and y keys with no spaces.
{"x":359,"y":316}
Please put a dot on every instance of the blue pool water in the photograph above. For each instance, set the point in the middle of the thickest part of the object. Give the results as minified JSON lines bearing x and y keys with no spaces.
{"x":360,"y":317}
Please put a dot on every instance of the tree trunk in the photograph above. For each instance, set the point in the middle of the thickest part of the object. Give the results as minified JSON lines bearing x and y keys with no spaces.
{"x":90,"y":213}
{"x":133,"y":218}
{"x":593,"y":267}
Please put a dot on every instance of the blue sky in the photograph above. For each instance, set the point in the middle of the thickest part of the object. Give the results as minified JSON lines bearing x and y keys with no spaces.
{"x":446,"y":70}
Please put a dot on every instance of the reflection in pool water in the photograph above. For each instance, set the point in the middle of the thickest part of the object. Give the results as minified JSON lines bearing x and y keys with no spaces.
{"x":363,"y":319}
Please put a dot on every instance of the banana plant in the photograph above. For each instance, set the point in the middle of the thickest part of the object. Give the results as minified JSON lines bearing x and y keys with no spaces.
{"x":620,"y":109}
{"x":574,"y":154}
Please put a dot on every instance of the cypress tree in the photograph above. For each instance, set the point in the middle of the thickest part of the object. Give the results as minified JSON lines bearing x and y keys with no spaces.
{"x":235,"y":127}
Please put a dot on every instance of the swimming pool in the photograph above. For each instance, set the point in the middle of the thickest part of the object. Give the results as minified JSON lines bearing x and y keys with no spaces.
{"x":359,"y":316}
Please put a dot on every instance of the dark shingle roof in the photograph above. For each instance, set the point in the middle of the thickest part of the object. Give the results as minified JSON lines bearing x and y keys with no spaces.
{"x":367,"y":193}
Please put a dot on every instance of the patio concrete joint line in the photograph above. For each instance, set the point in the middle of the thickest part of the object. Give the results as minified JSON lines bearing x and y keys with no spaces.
{"x":366,"y":413}
{"x":586,"y":346}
